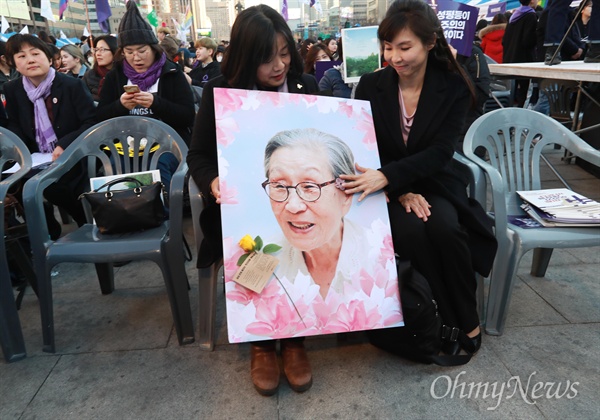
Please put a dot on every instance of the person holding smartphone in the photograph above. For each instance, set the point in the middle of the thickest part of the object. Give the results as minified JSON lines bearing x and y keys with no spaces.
{"x":164,"y":92}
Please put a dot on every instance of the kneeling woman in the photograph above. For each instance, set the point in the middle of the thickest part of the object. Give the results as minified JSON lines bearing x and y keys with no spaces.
{"x":48,"y":110}
{"x":419,"y":105}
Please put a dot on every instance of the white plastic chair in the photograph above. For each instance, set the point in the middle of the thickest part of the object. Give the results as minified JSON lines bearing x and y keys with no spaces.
{"x":515,"y":139}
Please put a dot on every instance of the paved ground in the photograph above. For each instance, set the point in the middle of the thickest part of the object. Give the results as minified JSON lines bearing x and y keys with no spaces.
{"x":117,"y":356}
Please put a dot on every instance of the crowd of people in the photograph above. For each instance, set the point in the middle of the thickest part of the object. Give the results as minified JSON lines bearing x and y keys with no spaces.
{"x":532,"y":33}
{"x":422,"y":102}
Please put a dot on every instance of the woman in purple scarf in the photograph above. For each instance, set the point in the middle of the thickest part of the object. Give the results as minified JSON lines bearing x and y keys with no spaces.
{"x":48,"y":110}
{"x":164,"y":92}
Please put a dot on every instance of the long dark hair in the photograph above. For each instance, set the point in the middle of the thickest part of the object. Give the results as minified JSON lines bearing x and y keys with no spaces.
{"x":253,"y":35}
{"x":420,"y":19}
{"x":111,"y":41}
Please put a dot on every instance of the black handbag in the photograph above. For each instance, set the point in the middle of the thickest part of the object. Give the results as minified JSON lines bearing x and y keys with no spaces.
{"x":424,"y":333}
{"x":128,"y":210}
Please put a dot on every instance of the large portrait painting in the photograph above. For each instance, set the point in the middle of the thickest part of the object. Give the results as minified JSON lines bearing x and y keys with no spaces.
{"x":280,"y":158}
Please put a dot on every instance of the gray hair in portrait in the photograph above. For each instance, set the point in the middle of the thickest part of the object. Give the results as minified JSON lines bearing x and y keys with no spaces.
{"x":341,"y":159}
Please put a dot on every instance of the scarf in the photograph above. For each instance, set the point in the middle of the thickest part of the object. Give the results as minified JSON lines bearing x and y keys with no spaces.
{"x":44,"y":132}
{"x":146,"y":79}
{"x":520,"y":12}
{"x":101,"y":71}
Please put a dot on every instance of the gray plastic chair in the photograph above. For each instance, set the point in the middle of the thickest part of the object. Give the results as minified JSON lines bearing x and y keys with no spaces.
{"x":477,"y":189}
{"x":559,"y":94}
{"x":11,"y":336}
{"x":514,"y":139}
{"x":501,"y":91}
{"x":207,"y":277}
{"x":163,"y":244}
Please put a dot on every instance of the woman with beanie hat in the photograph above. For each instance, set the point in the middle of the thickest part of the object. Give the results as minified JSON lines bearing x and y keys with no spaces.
{"x":164,"y":92}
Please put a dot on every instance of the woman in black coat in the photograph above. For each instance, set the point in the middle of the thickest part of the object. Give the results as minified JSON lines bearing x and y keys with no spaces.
{"x":162,"y":89}
{"x":419,"y":105}
{"x":48,"y":110}
{"x":261,"y":56}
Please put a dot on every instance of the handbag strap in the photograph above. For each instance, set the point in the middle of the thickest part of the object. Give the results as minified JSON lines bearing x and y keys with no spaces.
{"x":119,"y":181}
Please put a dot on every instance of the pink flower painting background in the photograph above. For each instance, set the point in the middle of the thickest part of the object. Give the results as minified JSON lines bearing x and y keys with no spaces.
{"x":369,"y":298}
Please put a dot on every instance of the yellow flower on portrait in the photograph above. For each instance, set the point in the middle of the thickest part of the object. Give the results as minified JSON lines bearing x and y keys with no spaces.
{"x":247,"y":243}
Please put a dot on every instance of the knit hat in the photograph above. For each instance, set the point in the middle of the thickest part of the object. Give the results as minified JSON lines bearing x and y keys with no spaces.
{"x":134,"y":30}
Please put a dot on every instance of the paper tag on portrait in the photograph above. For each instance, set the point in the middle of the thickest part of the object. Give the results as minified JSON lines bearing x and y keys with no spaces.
{"x":280,"y":158}
{"x":256,"y":271}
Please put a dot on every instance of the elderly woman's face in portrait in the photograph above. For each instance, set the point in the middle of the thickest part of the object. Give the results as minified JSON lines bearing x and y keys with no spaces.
{"x":308,"y":226}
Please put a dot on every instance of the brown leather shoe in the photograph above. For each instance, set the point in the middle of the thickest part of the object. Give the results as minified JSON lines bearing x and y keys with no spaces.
{"x":264,"y":369}
{"x":296,"y":365}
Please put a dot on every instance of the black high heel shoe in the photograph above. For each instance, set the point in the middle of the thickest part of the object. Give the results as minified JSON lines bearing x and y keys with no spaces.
{"x":475,"y":343}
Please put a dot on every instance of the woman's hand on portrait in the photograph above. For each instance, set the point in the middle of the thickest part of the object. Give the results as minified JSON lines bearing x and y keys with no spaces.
{"x":127,"y":100}
{"x":367,"y":182}
{"x":417,"y":204}
{"x":215,"y":191}
{"x":57,"y":152}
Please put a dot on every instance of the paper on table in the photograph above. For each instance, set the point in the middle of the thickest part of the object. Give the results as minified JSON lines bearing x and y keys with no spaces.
{"x":37,"y":159}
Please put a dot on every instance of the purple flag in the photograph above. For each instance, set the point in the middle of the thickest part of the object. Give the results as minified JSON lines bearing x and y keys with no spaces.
{"x":62,"y":6}
{"x":494,"y":9}
{"x":284,"y":10}
{"x":103,"y":12}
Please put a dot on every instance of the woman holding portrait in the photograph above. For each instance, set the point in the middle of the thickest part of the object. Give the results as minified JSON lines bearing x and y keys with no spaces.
{"x":261,"y":56}
{"x":419,"y":105}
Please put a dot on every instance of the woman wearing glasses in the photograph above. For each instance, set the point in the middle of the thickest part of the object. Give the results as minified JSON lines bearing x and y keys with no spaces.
{"x":163,"y":94}
{"x":261,"y":56}
{"x":104,"y":56}
{"x":162,"y":90}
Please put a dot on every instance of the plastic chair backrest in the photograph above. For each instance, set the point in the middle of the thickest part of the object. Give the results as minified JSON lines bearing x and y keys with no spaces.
{"x":99,"y":143}
{"x":514,"y":139}
{"x":12,"y":149}
{"x":560,"y":93}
